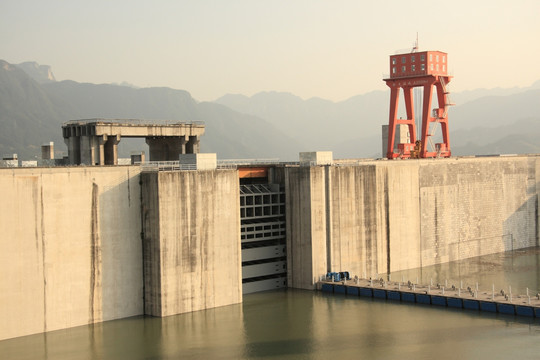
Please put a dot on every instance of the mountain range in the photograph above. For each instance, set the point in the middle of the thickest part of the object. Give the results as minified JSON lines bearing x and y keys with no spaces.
{"x":33,"y":106}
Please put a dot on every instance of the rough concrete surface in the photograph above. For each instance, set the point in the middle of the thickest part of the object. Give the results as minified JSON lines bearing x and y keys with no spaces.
{"x":192,"y":240}
{"x":71,"y":251}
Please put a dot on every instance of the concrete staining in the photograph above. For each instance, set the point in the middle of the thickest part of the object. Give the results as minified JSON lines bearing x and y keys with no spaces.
{"x":87,"y":244}
{"x":192,"y":241}
{"x":385,"y":216}
{"x":70,"y":254}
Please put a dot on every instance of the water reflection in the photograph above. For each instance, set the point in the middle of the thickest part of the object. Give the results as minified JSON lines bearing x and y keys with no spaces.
{"x":297,"y":324}
{"x":519,"y":269}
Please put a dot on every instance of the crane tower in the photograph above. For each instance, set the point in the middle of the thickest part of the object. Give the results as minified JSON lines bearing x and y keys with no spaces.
{"x":427,"y":69}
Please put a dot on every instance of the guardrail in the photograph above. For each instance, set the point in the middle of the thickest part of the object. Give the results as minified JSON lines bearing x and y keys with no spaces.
{"x":177,"y":166}
{"x":249,"y":161}
{"x":135,"y":122}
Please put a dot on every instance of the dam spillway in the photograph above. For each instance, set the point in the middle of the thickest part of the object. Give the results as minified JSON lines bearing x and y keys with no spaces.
{"x":89,"y":244}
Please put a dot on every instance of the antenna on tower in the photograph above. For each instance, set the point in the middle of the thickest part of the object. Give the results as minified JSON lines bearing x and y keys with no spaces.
{"x":415,"y":47}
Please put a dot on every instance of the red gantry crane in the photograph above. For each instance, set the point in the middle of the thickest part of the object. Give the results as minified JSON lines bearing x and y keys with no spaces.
{"x":425,"y":69}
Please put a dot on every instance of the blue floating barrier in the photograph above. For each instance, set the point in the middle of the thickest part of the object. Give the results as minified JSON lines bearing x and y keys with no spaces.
{"x":506,"y":309}
{"x":488,"y":306}
{"x":352,"y":290}
{"x":327,"y":288}
{"x":379,"y":293}
{"x":454,"y":303}
{"x":339,"y":289}
{"x":471,"y":304}
{"x":366,"y":292}
{"x":537,"y":312}
{"x":423,"y":299}
{"x":524,"y":310}
{"x":408,"y":297}
{"x":393,"y":295}
{"x":438,"y":300}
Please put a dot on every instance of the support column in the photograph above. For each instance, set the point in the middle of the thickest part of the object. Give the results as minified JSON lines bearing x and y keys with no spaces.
{"x":193,"y":145}
{"x":167,"y":148}
{"x":111,"y":150}
{"x":73,"y":144}
{"x":427,"y":119}
{"x":101,"y":146}
{"x":88,"y":149}
{"x":174,"y":148}
{"x":394,"y":100}
{"x":183,"y":142}
{"x":156,"y":148}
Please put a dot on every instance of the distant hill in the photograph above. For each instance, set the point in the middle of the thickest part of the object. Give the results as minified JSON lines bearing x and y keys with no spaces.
{"x":481,"y":123}
{"x":32,"y":114}
{"x":40,"y":73}
{"x":33,"y":107}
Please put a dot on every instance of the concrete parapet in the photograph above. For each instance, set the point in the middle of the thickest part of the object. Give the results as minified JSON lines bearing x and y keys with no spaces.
{"x":28,"y":163}
{"x":198,"y":161}
{"x":47,"y":151}
{"x":9,"y":163}
{"x":316,"y":158}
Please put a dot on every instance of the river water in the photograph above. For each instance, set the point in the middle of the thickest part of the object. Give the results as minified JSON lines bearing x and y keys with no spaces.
{"x":297,"y":324}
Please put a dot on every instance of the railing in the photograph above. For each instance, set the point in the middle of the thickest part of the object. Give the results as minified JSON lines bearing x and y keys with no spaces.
{"x":177,"y":166}
{"x":135,"y":122}
{"x":249,"y":161}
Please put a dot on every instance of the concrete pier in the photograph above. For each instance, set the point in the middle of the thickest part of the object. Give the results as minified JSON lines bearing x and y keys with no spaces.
{"x":377,"y":217}
{"x":191,"y":226}
{"x":95,"y":141}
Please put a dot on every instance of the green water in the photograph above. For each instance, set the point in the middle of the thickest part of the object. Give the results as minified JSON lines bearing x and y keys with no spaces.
{"x":296,"y":324}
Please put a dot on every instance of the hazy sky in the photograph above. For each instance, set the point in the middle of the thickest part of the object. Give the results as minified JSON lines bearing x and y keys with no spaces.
{"x":331,"y":49}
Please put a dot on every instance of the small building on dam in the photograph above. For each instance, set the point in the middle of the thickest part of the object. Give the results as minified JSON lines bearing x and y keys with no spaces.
{"x":90,"y":243}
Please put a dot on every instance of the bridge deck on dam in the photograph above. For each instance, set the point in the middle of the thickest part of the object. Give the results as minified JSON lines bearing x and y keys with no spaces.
{"x":95,"y":141}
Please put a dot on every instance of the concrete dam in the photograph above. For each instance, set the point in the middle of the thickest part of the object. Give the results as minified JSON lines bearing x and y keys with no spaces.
{"x":86,"y":244}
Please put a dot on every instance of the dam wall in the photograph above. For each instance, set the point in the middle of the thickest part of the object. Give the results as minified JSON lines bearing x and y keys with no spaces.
{"x":192,"y":258}
{"x":71,"y":250}
{"x":83,"y":245}
{"x":379,"y":217}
